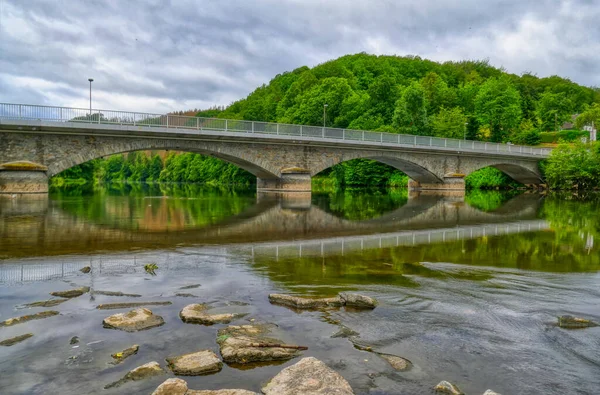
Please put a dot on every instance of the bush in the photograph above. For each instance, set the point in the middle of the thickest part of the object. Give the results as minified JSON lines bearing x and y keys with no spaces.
{"x":565,"y":135}
{"x":489,"y":178}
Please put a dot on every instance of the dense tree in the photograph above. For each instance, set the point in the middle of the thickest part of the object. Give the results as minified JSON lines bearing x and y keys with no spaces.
{"x":410,"y":116}
{"x":591,"y":115}
{"x":498,"y":106}
{"x":553,"y":109}
{"x":450,"y":123}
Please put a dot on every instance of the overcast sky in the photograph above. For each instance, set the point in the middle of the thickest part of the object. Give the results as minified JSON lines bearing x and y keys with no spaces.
{"x":160,"y":55}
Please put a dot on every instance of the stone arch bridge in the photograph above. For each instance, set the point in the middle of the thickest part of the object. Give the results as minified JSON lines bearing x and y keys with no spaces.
{"x":38,"y":142}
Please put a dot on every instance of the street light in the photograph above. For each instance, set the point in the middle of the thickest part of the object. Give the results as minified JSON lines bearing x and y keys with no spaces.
{"x":324,"y":113}
{"x":90,"y":80}
{"x":465,"y":131}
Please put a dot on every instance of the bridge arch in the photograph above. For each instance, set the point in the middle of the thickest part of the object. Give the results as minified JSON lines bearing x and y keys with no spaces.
{"x":244,"y":159}
{"x":525,"y":173}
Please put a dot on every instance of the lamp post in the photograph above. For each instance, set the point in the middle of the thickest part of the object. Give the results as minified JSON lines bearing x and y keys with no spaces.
{"x":465,"y":131}
{"x":324,"y":113}
{"x":90,"y":80}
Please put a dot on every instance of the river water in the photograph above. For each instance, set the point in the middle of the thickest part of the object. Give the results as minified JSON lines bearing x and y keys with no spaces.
{"x":469,"y":287}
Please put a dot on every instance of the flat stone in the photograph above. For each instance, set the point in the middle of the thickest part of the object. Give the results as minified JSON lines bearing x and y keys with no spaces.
{"x":221,"y":392}
{"x":85,"y":269}
{"x":71,"y":293}
{"x":30,"y":317}
{"x":126,"y":353}
{"x":150,"y":369}
{"x":570,"y":322}
{"x":196,"y":363}
{"x":358,"y":300}
{"x":308,"y":377}
{"x":490,"y":392}
{"x":116,"y":293}
{"x":185,"y":295}
{"x":46,"y":303}
{"x":196,"y":314}
{"x":447,"y":387}
{"x":248,"y":343}
{"x":14,"y":340}
{"x":191,"y":286}
{"x":304,"y":303}
{"x":398,"y":363}
{"x":172,"y":387}
{"x":133,"y":321}
{"x":125,"y":305}
{"x":344,"y":332}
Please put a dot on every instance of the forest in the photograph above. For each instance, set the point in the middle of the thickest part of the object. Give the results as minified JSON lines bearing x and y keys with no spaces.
{"x":466,"y":99}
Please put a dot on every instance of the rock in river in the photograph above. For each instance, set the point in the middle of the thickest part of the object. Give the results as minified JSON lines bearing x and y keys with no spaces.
{"x":490,"y":392}
{"x":248,"y":343}
{"x":398,"y":363}
{"x":15,"y":340}
{"x":180,"y":387}
{"x":141,"y":372}
{"x":135,"y":320}
{"x":196,"y":363}
{"x":30,"y":317}
{"x":447,"y":388}
{"x":46,"y":303}
{"x":358,"y":300}
{"x":304,"y":303}
{"x":196,"y":314}
{"x":129,"y":305}
{"x":570,"y":322}
{"x":116,"y":293}
{"x":308,"y":377}
{"x":85,"y":269}
{"x":122,"y":355}
{"x":71,"y":293}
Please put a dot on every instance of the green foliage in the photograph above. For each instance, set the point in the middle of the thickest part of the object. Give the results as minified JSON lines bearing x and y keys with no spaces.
{"x":489,"y":178}
{"x":526,"y":134}
{"x":564,"y":135}
{"x":553,"y":109}
{"x":590,"y":115}
{"x":410,"y":116}
{"x":360,"y":173}
{"x":498,"y":105}
{"x":574,"y":165}
{"x":450,"y":123}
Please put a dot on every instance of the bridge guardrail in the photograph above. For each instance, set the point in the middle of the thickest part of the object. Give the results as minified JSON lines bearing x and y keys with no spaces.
{"x":113,"y":117}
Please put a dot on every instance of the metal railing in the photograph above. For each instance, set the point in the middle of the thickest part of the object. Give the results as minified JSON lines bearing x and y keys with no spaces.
{"x":111,"y":117}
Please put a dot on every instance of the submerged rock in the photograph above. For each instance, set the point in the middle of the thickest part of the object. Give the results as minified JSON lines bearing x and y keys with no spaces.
{"x":46,"y":303}
{"x":358,"y":300}
{"x":85,"y":269}
{"x":490,"y":392}
{"x":345,"y":332}
{"x":308,"y":376}
{"x":135,"y":320}
{"x":185,"y":295}
{"x":249,"y":343}
{"x":180,"y":387}
{"x":141,"y":372}
{"x":304,"y":303}
{"x":122,"y":355}
{"x":398,"y":363}
{"x":125,"y":305}
{"x":447,"y":388}
{"x":71,"y":293}
{"x":196,"y":363}
{"x":570,"y":322}
{"x":30,"y":317}
{"x":114,"y":293}
{"x":14,"y":340}
{"x":196,"y":314}
{"x":190,"y":286}
{"x":74,"y":340}
{"x":172,"y":387}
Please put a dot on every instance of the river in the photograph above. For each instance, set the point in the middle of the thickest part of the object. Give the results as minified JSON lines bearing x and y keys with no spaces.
{"x":469,"y":287}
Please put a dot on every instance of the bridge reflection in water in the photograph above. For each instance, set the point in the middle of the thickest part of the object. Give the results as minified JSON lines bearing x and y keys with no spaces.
{"x":301,"y":229}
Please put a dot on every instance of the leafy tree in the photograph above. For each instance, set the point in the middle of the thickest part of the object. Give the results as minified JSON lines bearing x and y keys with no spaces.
{"x":590,"y":115}
{"x":498,"y":106}
{"x":437,"y":93}
{"x":553,"y":109}
{"x":574,"y":165}
{"x":526,"y":134}
{"x":410,"y":116}
{"x":450,"y":123}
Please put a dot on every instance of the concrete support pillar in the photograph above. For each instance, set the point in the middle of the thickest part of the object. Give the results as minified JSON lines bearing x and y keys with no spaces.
{"x":23,"y":178}
{"x":450,"y":183}
{"x":291,"y":180}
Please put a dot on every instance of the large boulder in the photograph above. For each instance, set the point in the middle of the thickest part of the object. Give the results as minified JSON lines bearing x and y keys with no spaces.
{"x":71,"y":293}
{"x":447,"y":387}
{"x":172,"y":387}
{"x":133,"y":321}
{"x":196,"y":363}
{"x":570,"y":322}
{"x":141,"y":372}
{"x":197,"y":314}
{"x":308,"y":377}
{"x":249,"y":343}
{"x":304,"y":303}
{"x":358,"y":300}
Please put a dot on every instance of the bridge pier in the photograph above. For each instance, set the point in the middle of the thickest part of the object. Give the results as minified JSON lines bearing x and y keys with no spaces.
{"x":23,"y":178}
{"x":292,"y":180}
{"x":452,"y":183}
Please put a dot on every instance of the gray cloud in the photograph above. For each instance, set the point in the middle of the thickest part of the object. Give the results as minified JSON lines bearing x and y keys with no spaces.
{"x":160,"y":55}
